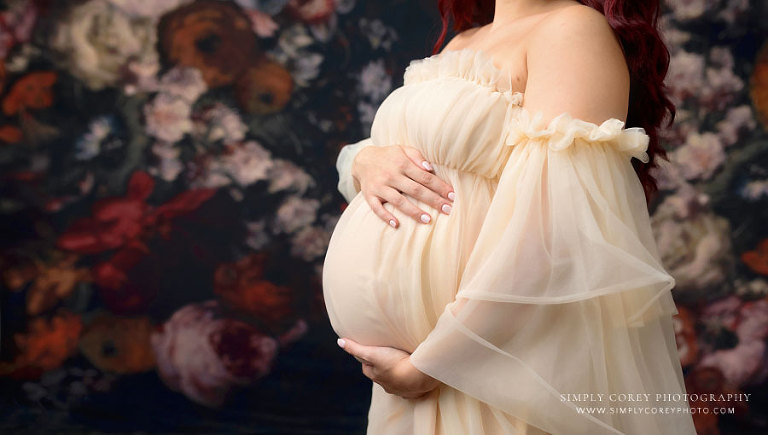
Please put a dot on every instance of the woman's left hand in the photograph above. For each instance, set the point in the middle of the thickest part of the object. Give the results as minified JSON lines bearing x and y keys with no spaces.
{"x":392,"y":369}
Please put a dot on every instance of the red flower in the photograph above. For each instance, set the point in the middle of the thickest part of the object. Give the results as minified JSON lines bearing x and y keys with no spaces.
{"x":127,"y":223}
{"x":116,"y":221}
{"x":242,"y":287}
{"x":31,"y":91}
{"x":757,"y":260}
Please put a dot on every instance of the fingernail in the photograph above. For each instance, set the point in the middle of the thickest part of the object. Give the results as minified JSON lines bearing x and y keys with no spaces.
{"x":426,"y":165}
{"x":392,"y":222}
{"x":446,"y":209}
{"x":341,"y":342}
{"x":425,"y":218}
{"x":451,"y":196}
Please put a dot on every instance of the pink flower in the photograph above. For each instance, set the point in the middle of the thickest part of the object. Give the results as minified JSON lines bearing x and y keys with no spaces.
{"x":204,"y":356}
{"x":168,"y":117}
{"x":700,"y":157}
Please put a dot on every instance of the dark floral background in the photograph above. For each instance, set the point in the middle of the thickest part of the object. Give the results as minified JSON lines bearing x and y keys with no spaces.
{"x":168,"y":190}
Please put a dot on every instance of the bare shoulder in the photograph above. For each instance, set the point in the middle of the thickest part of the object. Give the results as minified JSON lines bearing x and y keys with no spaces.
{"x":575,"y":25}
{"x":575,"y":63}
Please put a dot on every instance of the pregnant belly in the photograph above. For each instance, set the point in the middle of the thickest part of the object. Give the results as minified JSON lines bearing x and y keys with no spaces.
{"x":386,"y":287}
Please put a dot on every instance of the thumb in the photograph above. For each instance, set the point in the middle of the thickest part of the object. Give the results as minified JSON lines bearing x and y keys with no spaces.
{"x":359,"y":351}
{"x":416,"y":157}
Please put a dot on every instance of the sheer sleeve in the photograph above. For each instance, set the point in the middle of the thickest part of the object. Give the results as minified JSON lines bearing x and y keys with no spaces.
{"x":564,"y":293}
{"x":347,"y":154}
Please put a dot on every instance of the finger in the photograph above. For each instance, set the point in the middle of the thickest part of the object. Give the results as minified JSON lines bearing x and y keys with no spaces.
{"x":358,"y":350}
{"x":417,"y":158}
{"x":423,"y":193}
{"x":432,"y":182}
{"x":362,"y":360}
{"x":399,"y":201}
{"x":375,"y":203}
{"x":369,"y":372}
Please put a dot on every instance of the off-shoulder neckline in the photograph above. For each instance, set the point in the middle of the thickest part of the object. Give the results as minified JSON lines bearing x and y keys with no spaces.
{"x":469,"y":63}
{"x":476,"y":65}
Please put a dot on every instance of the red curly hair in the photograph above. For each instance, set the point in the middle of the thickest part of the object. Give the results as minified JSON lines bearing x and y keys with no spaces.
{"x":636,"y":25}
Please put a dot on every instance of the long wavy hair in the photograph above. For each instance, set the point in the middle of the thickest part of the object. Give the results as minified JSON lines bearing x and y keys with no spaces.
{"x":636,"y":25}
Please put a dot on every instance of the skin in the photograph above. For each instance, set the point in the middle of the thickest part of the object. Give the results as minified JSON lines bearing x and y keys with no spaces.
{"x":550,"y":37}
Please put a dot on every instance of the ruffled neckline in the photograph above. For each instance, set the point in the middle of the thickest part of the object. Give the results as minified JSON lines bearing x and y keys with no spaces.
{"x":467,"y":63}
{"x":477,"y":66}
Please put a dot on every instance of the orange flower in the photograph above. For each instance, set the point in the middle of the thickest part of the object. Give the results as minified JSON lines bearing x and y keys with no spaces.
{"x":54,"y":282}
{"x":10,"y":134}
{"x":32,"y":91}
{"x":757,"y":260}
{"x":119,"y":344}
{"x":45,"y":346}
{"x":264,"y":88}
{"x":759,"y":85}
{"x":685,"y":335}
{"x":242,"y":287}
{"x":212,"y":36}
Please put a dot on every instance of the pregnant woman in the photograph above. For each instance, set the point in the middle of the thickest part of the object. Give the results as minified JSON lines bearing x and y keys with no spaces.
{"x":512,"y":285}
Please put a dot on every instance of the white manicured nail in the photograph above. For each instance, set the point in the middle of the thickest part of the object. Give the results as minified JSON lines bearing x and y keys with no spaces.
{"x":392,"y":222}
{"x":341,"y":342}
{"x":451,"y":196}
{"x":426,"y":165}
{"x":425,"y":218}
{"x":446,"y":209}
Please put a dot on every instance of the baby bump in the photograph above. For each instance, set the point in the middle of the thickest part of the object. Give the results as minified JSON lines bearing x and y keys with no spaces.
{"x":387,"y":287}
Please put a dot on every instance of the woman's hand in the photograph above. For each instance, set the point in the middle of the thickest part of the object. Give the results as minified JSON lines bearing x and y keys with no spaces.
{"x":384,"y":173}
{"x":391,"y":368}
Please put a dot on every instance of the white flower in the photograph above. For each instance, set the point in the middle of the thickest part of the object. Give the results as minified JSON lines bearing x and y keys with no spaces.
{"x":167,"y":117}
{"x":95,"y":41}
{"x":153,"y":9}
{"x":755,"y":189}
{"x":306,"y":68}
{"x":694,"y":243}
{"x":295,"y":213}
{"x":732,"y":9}
{"x":89,"y":146}
{"x":183,"y":82}
{"x":690,"y":9}
{"x":262,"y":24}
{"x":374,"y":81}
{"x":735,"y":119}
{"x":169,"y":166}
{"x":686,"y":74}
{"x":721,"y":85}
{"x":673,"y":37}
{"x":700,"y":156}
{"x":667,"y":175}
{"x":248,"y":163}
{"x":245,"y":164}
{"x":379,"y":34}
{"x":286,"y":175}
{"x":220,"y":122}
{"x":310,"y":243}
{"x":292,"y":51}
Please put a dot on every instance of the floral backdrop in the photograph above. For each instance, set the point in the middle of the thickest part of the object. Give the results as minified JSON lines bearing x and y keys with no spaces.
{"x":168,"y":191}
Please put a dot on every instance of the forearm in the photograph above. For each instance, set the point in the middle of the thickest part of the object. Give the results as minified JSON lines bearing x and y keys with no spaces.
{"x":348,"y":184}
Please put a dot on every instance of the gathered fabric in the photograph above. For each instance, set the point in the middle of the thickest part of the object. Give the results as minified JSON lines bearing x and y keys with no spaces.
{"x":541,"y":302}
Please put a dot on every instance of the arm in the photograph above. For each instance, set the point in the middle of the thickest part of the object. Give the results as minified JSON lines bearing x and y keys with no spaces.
{"x":575,"y":65}
{"x":349,"y":186}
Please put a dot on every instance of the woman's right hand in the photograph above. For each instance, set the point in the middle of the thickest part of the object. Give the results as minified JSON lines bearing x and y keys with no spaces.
{"x":384,"y":173}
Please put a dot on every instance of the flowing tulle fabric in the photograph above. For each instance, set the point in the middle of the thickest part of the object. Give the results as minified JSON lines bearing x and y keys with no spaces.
{"x":563,"y":297}
{"x":346,"y":184}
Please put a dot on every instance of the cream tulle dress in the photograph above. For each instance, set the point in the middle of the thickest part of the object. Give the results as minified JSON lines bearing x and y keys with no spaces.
{"x":550,"y":243}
